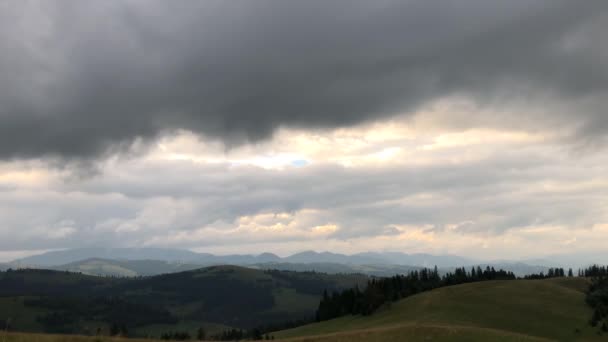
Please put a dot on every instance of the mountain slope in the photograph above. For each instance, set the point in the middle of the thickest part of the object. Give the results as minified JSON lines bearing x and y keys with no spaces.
{"x":62,"y":257}
{"x":551,"y":309}
{"x":390,"y":334}
{"x":231,"y":296}
{"x":418,"y":259}
{"x":336,"y":268}
{"x":125,"y":268}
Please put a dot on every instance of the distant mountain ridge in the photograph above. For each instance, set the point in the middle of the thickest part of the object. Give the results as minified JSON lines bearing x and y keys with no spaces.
{"x":152,"y":261}
{"x":63,"y":257}
{"x":124,"y":268}
{"x":419,"y":259}
{"x":133,"y":268}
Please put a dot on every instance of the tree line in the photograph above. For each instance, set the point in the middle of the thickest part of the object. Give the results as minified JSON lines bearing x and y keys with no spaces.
{"x":226,"y":335}
{"x":383,"y":290}
{"x":551,"y":273}
{"x":597,"y":295}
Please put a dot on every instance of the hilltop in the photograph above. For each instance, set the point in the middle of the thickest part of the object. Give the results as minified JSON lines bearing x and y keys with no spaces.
{"x":551,"y":309}
{"x":522,"y":310}
{"x":515,"y":310}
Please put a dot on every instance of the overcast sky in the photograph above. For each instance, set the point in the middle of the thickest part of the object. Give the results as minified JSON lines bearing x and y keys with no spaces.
{"x":475,"y":128}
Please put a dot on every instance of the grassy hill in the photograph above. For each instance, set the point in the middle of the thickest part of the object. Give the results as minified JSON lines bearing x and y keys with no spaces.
{"x":522,"y":310}
{"x":402,"y":333}
{"x":552,"y":309}
{"x":215,"y":297}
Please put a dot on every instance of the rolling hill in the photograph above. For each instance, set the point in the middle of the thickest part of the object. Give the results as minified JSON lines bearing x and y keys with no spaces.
{"x":134,"y":268}
{"x":517,"y":310}
{"x":129,"y":262}
{"x":550,"y":309}
{"x":336,"y":268}
{"x":217,"y":297}
{"x":68,"y":256}
{"x":125,"y":268}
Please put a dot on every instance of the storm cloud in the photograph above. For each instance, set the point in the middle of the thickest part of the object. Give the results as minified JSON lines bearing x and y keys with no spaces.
{"x":80,"y":80}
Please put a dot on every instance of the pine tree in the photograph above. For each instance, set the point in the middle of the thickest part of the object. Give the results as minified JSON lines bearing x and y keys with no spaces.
{"x":123,"y":330}
{"x":256,"y":334}
{"x":596,"y":318}
{"x":201,"y":334}
{"x":114,"y":329}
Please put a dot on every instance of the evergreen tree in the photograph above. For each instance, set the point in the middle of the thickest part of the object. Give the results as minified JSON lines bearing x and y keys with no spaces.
{"x":595,"y":319}
{"x":381,"y":291}
{"x":201,"y":334}
{"x":114,"y":329}
{"x":256,"y":334}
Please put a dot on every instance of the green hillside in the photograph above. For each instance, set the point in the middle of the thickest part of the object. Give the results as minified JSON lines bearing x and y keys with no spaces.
{"x":215,"y":297}
{"x":552,"y":309}
{"x":402,"y":333}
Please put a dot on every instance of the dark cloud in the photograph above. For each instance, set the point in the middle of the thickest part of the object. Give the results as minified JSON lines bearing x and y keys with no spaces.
{"x":80,"y":79}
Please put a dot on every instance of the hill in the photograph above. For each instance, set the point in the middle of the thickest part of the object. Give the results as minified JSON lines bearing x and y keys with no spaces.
{"x":125,"y":268}
{"x":405,"y":333}
{"x":522,"y":310}
{"x":68,"y":256}
{"x":154,"y":261}
{"x":551,"y":309}
{"x":62,"y":257}
{"x":133,"y":268}
{"x":219,"y":296}
{"x":336,"y":268}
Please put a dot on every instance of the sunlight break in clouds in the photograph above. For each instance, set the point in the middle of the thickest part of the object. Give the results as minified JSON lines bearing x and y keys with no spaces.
{"x":380,"y":186}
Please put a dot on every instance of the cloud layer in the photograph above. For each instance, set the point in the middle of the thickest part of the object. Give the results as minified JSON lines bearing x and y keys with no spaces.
{"x":87,"y":79}
{"x":475,"y":193}
{"x":447,"y":127}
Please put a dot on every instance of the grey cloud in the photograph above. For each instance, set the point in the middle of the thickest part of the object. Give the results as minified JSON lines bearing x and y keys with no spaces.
{"x":84,"y":79}
{"x":145,"y":200}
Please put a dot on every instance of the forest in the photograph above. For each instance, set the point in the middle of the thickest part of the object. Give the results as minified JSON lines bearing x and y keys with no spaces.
{"x":127,"y":304}
{"x":236,"y":297}
{"x":597,"y":296}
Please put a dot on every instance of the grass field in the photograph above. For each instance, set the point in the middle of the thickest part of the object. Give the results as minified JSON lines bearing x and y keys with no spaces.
{"x":410,"y":332}
{"x":523,"y":310}
{"x":23,"y":337}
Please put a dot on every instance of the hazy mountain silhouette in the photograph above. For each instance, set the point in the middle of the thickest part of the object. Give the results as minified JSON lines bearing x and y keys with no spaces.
{"x":56,"y":258}
{"x":373,"y":263}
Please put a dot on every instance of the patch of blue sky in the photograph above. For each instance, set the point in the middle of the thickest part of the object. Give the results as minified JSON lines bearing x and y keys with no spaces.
{"x":299,"y":162}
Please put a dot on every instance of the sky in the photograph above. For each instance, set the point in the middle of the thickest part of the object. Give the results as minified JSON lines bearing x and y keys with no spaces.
{"x":466,"y":127}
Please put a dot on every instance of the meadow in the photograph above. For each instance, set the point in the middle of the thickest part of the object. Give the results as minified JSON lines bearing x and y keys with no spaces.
{"x":550,"y":309}
{"x":520,"y":310}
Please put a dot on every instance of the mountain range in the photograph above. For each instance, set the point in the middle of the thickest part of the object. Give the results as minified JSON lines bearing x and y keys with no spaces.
{"x":153,"y":261}
{"x":62,"y":257}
